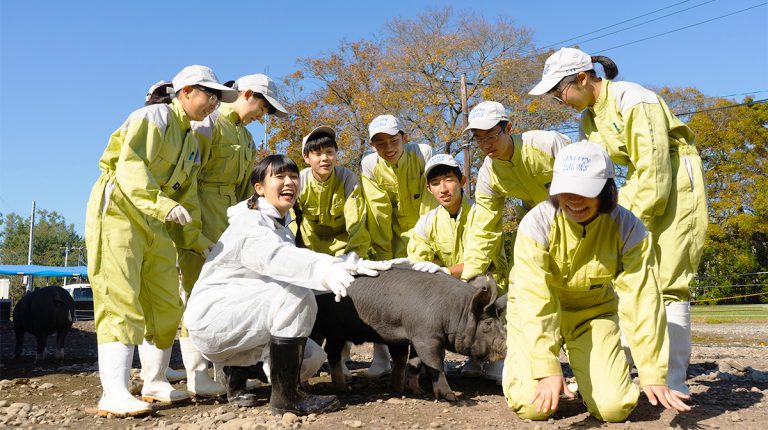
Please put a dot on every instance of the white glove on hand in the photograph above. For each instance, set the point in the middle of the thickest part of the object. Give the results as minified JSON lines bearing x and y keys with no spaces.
{"x":338,"y":279}
{"x":427,"y":266}
{"x":179,"y":215}
{"x":370,"y":267}
{"x":399,"y":261}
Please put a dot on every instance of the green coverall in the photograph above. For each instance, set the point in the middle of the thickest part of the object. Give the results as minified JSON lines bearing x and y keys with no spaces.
{"x":149,"y":167}
{"x":566,"y":280}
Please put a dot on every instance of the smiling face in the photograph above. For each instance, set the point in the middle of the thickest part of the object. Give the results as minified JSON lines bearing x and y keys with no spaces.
{"x":321,"y":161}
{"x":578,"y":208}
{"x":389,"y":147}
{"x":280,"y":190}
{"x":199,"y":102}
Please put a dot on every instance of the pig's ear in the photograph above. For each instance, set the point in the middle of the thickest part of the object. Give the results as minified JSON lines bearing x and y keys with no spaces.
{"x":501,"y":305}
{"x":483,"y":298}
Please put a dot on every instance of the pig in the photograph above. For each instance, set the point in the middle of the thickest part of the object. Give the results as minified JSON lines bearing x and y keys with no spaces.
{"x":41,"y":312}
{"x":431,"y":312}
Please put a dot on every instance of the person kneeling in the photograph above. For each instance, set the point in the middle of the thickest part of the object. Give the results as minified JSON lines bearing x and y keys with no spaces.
{"x":254,"y":299}
{"x":581,"y":263}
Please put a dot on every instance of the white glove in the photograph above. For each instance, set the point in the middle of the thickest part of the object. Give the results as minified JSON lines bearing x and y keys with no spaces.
{"x":338,"y":279}
{"x":370,"y":267}
{"x":179,"y":215}
{"x":426,"y":266}
{"x":399,"y":261}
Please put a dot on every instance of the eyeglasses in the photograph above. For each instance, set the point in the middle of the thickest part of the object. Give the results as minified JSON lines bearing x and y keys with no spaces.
{"x":488,"y":138}
{"x":557,"y":94}
{"x":214,"y":96}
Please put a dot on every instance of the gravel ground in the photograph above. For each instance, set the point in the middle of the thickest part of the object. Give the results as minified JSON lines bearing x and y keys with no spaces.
{"x":729,"y":384}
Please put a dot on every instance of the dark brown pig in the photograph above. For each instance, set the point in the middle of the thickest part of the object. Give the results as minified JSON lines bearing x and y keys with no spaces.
{"x":41,"y":312}
{"x":433,"y":312}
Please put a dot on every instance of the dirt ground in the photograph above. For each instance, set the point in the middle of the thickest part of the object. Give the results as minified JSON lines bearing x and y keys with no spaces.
{"x":728,"y":380}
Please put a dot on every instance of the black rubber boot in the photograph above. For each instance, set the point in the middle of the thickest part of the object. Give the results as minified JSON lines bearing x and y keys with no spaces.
{"x":236,"y":386}
{"x":285,"y":357}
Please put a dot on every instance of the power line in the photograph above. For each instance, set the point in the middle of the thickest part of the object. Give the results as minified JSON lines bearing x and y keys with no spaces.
{"x":743,"y":94}
{"x":571,"y":130}
{"x":681,"y":28}
{"x":613,"y":25}
{"x":643,"y":23}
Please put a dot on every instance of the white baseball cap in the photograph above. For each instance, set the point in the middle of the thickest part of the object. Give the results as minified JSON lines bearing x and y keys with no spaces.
{"x":263,"y":85}
{"x":203,"y":76}
{"x":486,"y":115}
{"x":581,"y":168}
{"x":437,"y":160}
{"x":384,"y":124}
{"x":562,"y":63}
{"x":324,"y":129}
{"x":156,"y":86}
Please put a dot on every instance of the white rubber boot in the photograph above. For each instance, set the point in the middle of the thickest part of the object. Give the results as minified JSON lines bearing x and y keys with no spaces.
{"x":679,"y":330}
{"x":494,"y":371}
{"x":115,"y":361}
{"x":156,"y":388}
{"x":381,"y":364}
{"x":199,"y":382}
{"x":472,"y":368}
{"x":173,"y":375}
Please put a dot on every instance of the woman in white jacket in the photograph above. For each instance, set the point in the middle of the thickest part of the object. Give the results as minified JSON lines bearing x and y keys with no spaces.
{"x":254,"y":300}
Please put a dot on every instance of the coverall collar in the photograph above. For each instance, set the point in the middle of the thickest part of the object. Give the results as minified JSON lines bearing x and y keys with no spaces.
{"x":178,"y":111}
{"x":270,"y":211}
{"x":582,"y":230}
{"x":227,"y":111}
{"x":601,"y":103}
{"x":327,"y":180}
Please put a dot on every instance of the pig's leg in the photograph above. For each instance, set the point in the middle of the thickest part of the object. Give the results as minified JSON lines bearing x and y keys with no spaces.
{"x":333,"y":347}
{"x":19,"y":342}
{"x":412,"y":376}
{"x":432,"y":355}
{"x":399,"y":355}
{"x":40,"y":347}
{"x":61,"y":334}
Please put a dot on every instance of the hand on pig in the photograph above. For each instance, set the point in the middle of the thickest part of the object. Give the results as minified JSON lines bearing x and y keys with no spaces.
{"x":428,"y":266}
{"x":338,"y":279}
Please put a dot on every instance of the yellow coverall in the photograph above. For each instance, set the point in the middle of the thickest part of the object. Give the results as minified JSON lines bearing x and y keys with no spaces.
{"x":333,"y":213}
{"x":526,"y":177}
{"x":149,"y":166}
{"x":665,"y":184}
{"x":440,"y":238}
{"x":564,"y":278}
{"x":228,"y":156}
{"x":396,"y":196}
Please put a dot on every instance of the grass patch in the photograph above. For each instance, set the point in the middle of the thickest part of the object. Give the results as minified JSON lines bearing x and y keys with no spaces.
{"x":730,"y":314}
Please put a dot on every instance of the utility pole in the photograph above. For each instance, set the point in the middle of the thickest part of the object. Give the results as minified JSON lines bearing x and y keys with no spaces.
{"x":31,"y":241}
{"x":66,"y":259}
{"x":465,"y":122}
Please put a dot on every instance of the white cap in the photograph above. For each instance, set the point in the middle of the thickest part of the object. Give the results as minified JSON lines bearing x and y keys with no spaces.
{"x":324,"y":129}
{"x":203,"y":76}
{"x":157,"y":85}
{"x":263,"y":85}
{"x":581,"y":168}
{"x":562,"y":63}
{"x":437,"y":160}
{"x":384,"y":124}
{"x":486,"y":115}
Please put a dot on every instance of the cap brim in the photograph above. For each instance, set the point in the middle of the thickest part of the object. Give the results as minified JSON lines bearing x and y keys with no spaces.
{"x":544,"y":86}
{"x":386,"y":130}
{"x":280,"y":111}
{"x":228,"y":95}
{"x":586,"y":187}
{"x":432,"y":167}
{"x":483,"y":124}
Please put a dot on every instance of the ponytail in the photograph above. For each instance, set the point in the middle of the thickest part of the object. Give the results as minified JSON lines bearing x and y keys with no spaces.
{"x":609,"y":67}
{"x":253,"y":201}
{"x":299,"y":217}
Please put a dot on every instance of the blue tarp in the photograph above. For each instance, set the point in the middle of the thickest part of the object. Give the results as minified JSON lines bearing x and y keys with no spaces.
{"x":35,"y":270}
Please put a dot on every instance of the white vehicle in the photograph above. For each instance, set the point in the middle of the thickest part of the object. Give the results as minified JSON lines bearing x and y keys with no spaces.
{"x":83,"y":295}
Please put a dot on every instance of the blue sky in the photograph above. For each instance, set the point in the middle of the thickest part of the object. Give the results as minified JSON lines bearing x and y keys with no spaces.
{"x":71,"y":71}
